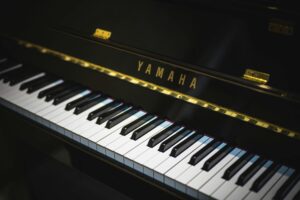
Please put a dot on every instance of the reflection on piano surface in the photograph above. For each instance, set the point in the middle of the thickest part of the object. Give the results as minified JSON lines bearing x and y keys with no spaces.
{"x":227,"y":130}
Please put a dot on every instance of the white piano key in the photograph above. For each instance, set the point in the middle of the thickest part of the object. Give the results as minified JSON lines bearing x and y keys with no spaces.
{"x":183,"y":179}
{"x":90,"y":133}
{"x":22,"y":100}
{"x":170,"y":162}
{"x":101,"y":144}
{"x":3,"y":86}
{"x":70,"y":121}
{"x":82,"y":117}
{"x":60,"y":114}
{"x":89,"y":129}
{"x":100,"y":134}
{"x":258,"y":195}
{"x":149,"y":165}
{"x":115,"y":133}
{"x":149,"y":153}
{"x":113,"y":137}
{"x":70,"y":114}
{"x":81,"y":129}
{"x":143,"y":157}
{"x":55,"y":109}
{"x":31,"y":100}
{"x":12,"y":105}
{"x":36,"y":104}
{"x":122,"y":140}
{"x":293,"y":192}
{"x":7,"y":91}
{"x":19,"y":98}
{"x":229,"y":186}
{"x":271,"y":193}
{"x":91,"y":123}
{"x":78,"y":132}
{"x":160,"y":157}
{"x":131,"y":154}
{"x":11,"y":95}
{"x":125,"y":142}
{"x":197,"y":182}
{"x":180,"y":168}
{"x":95,"y":134}
{"x":214,"y":183}
{"x":241,"y":191}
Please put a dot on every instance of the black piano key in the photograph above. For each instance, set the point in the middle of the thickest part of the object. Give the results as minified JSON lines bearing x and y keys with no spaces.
{"x":23,"y":77}
{"x":10,"y":74}
{"x":181,"y":147}
{"x":104,"y":109}
{"x":297,"y":196}
{"x":28,"y":84}
{"x":80,"y":100}
{"x":8,"y":64}
{"x":135,"y":124}
{"x":2,"y":59}
{"x":65,"y":96}
{"x":237,"y":165}
{"x":88,"y":104}
{"x":45,"y":92}
{"x":249,"y":173}
{"x":66,"y":90}
{"x":163,"y":135}
{"x":265,"y":177}
{"x":146,"y":128}
{"x":50,"y":96}
{"x":287,"y":186}
{"x":110,"y":114}
{"x":174,"y":139}
{"x":202,"y":153}
{"x":216,"y":158}
{"x":15,"y":75}
{"x":116,"y":120}
{"x":7,"y":77}
{"x":43,"y":83}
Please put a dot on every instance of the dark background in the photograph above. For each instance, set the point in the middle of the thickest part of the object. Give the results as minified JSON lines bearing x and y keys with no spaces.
{"x":221,"y":36}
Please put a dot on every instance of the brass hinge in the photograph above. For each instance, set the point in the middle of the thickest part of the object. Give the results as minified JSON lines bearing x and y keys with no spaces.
{"x":102,"y":34}
{"x":256,"y":76}
{"x":281,"y":27}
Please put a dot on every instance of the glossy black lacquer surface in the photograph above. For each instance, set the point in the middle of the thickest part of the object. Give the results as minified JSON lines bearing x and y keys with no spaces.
{"x":214,"y":42}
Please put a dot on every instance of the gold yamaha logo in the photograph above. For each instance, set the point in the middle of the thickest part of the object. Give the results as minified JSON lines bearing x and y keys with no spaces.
{"x":168,"y":75}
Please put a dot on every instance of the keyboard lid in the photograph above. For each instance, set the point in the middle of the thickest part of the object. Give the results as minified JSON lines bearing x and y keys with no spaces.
{"x":239,"y":41}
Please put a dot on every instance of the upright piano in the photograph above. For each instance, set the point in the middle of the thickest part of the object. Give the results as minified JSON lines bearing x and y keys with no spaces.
{"x":178,"y":99}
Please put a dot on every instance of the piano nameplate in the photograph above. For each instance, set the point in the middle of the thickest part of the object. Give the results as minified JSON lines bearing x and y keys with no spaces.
{"x":171,"y":76}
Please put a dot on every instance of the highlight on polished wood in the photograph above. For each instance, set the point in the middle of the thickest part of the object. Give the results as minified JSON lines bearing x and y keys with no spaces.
{"x":163,"y":90}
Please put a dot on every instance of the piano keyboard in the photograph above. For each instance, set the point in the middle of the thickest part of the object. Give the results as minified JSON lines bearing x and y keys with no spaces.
{"x":186,"y":160}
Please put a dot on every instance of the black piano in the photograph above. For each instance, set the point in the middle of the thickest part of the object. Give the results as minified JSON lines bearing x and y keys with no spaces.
{"x":154,"y":99}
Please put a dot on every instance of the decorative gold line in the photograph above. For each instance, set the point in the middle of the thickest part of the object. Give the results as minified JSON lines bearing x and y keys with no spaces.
{"x":163,"y":90}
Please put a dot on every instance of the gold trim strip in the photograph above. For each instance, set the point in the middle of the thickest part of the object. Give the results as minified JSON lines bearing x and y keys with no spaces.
{"x":163,"y":90}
